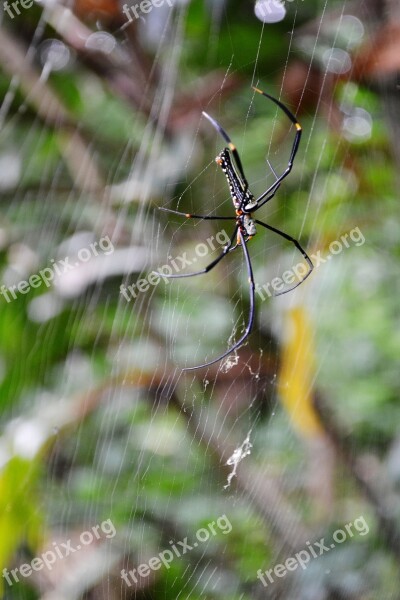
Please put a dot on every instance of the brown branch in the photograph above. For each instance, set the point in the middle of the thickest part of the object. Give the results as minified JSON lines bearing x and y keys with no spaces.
{"x":48,"y":106}
{"x":261,"y":490}
{"x":374,"y":491}
{"x":14,"y":62}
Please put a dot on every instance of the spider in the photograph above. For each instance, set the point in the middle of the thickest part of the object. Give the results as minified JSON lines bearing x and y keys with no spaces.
{"x":245,"y":205}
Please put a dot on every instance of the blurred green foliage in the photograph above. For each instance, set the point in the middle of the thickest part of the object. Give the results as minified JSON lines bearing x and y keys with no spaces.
{"x":118,"y":439}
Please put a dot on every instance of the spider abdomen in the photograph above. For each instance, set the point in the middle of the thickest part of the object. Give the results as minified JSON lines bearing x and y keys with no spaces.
{"x":239,"y":194}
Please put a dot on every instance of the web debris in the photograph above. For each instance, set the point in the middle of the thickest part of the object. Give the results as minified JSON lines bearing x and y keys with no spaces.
{"x":237,"y":457}
{"x":232,"y":359}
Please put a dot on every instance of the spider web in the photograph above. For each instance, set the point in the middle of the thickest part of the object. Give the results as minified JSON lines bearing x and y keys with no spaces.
{"x":160,"y":452}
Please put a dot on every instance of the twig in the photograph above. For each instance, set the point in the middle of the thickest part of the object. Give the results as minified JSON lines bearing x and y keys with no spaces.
{"x":373,"y":492}
{"x":261,"y":490}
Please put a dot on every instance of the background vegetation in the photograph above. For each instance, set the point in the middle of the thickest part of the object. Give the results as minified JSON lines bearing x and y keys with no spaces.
{"x":101,"y":125}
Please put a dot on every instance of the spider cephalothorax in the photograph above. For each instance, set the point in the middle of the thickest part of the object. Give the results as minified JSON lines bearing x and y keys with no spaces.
{"x":245,"y":204}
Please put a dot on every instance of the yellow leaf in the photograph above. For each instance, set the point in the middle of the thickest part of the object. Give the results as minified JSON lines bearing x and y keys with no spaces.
{"x":296,"y":378}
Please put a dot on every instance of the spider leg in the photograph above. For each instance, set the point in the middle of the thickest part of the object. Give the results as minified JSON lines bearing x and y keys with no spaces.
{"x":272,"y":169}
{"x":299,"y":248}
{"x":273,"y":191}
{"x":273,"y":188}
{"x":251,"y":315}
{"x":232,"y":147}
{"x":189,"y":216}
{"x":208,"y":267}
